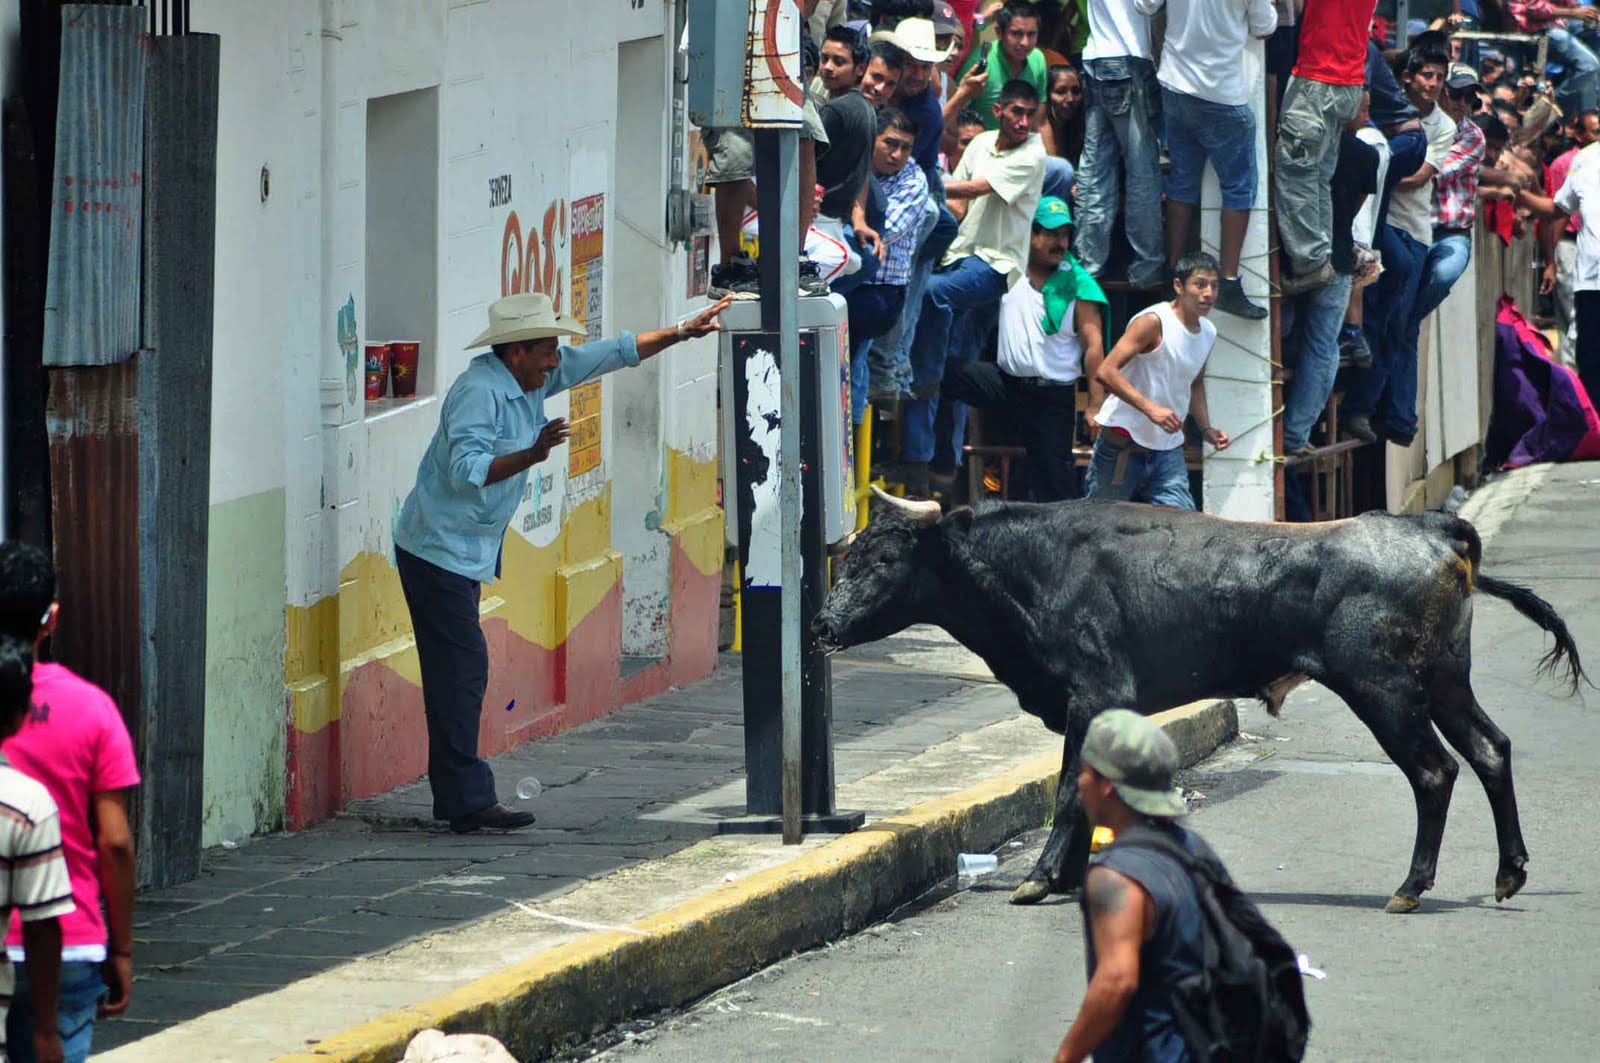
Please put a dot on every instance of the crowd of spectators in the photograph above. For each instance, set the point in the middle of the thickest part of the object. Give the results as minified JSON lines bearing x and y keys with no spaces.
{"x":953,"y":145}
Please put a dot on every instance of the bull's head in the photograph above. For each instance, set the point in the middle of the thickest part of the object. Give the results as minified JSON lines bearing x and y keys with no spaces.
{"x":886,"y":582}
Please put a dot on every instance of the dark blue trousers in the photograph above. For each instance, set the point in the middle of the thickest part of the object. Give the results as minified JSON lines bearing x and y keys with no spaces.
{"x":455,"y":674}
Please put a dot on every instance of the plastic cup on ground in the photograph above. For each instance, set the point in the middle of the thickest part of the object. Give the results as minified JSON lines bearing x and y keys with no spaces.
{"x":976,"y":863}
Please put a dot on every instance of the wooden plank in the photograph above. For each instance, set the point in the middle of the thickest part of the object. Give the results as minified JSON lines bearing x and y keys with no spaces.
{"x":175,"y":416}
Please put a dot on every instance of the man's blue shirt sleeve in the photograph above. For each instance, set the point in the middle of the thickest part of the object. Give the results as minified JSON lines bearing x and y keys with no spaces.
{"x":471,"y":429}
{"x":587,"y":361}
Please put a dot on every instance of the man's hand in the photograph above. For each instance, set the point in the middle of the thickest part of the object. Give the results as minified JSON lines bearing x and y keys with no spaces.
{"x":552,"y":435}
{"x":1091,"y":418}
{"x":1547,"y":282}
{"x":1586,"y":14}
{"x":47,"y":1046}
{"x":872,"y":242}
{"x":972,"y":85}
{"x":117,"y":973}
{"x":1217,"y":438}
{"x":706,"y":321}
{"x":1164,"y":418}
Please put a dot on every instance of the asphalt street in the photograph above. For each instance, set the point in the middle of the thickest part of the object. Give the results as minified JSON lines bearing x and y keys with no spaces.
{"x":1314,"y":821}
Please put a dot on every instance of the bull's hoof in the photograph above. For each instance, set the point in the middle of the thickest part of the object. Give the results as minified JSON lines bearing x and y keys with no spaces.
{"x":1030,"y":892}
{"x":1509,"y":882}
{"x":1399,"y":905}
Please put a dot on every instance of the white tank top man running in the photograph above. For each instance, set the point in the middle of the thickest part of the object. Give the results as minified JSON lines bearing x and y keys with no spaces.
{"x":1156,"y":377}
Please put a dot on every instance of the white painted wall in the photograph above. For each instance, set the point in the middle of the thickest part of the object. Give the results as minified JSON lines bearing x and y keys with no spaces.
{"x":528,"y":90}
{"x":1239,"y":482}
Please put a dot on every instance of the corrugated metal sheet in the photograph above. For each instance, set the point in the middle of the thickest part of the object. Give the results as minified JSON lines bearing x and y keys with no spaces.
{"x":93,"y":416}
{"x":92,"y":295}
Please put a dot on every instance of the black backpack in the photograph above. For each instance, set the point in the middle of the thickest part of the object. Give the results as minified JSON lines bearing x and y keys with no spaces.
{"x":1246,"y":1004}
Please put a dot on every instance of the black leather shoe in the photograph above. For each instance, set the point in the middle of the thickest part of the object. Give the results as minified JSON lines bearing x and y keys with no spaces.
{"x":495,"y":817}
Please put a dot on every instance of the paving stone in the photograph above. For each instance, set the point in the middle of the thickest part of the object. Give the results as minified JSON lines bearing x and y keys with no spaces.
{"x":152,"y":954}
{"x":451,"y":906}
{"x":264,"y":911}
{"x":249,"y":969}
{"x":565,"y":861}
{"x":365,"y":934}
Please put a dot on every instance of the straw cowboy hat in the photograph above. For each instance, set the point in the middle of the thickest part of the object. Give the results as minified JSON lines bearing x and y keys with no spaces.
{"x":914,"y":36}
{"x":529,"y":316}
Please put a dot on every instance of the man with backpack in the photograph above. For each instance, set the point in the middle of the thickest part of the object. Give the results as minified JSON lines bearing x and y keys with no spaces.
{"x":1157,"y":903}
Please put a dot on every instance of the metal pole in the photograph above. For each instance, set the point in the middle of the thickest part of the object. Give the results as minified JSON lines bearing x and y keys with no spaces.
{"x":1402,"y":15}
{"x":778,"y":207}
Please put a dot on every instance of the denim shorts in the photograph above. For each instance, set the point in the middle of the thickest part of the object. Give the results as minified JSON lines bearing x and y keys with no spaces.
{"x":1198,"y":130}
{"x":77,"y":1000}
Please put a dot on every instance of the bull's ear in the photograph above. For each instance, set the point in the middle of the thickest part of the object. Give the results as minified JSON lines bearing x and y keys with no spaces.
{"x":954,"y":527}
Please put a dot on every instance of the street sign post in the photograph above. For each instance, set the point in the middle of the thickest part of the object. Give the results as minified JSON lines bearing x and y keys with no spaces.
{"x":783,"y":587}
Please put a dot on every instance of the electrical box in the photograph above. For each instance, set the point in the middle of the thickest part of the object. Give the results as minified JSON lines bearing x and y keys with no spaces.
{"x":718,"y":33}
{"x":744,"y":64}
{"x":825,"y":359}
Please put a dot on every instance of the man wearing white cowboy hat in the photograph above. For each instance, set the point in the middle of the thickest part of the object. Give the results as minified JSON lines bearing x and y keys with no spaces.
{"x":915,"y":95}
{"x":492,"y":430}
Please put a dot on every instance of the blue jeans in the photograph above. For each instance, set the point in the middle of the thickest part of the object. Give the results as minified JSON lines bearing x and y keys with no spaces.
{"x":1389,"y":388}
{"x":874,"y":309}
{"x":921,"y":423}
{"x":1580,"y":79}
{"x":1321,"y":314}
{"x":889,"y":359}
{"x":1057,"y":178}
{"x":1199,"y":130}
{"x":969,"y":282}
{"x":1123,"y":115}
{"x":76,"y":1001}
{"x":1447,"y":260}
{"x":1123,"y":472}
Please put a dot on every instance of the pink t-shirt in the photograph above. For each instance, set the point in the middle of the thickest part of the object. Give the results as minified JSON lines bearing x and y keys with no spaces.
{"x":76,"y":744}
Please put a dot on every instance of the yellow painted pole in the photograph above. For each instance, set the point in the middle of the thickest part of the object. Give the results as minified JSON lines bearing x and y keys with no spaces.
{"x":863,"y":469}
{"x":738,"y":612}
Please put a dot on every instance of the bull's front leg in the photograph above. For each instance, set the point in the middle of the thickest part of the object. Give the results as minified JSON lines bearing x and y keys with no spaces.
{"x":1066,"y":852}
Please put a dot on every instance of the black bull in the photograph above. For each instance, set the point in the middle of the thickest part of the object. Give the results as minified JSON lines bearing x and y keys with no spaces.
{"x":1080,"y":607}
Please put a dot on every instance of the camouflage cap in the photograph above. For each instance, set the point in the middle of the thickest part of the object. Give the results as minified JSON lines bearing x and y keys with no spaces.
{"x":1139,"y":758}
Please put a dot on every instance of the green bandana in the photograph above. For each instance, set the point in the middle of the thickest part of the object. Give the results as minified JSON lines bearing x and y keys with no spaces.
{"x":1069,"y":283}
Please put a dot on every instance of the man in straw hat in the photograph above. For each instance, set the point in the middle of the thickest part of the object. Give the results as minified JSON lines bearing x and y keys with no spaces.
{"x":1140,"y":905}
{"x":492,"y":430}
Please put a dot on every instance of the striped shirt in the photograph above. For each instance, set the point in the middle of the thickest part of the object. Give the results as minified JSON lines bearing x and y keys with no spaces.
{"x":907,"y":195}
{"x":33,"y":871}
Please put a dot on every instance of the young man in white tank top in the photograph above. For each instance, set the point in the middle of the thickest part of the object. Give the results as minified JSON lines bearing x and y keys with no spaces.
{"x":1155,"y":377}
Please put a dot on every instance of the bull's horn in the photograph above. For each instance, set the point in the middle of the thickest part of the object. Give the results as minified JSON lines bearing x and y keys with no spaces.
{"x":921,"y":511}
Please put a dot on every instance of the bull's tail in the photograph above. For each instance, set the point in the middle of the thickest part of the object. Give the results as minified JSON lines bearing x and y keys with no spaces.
{"x":1542,"y":613}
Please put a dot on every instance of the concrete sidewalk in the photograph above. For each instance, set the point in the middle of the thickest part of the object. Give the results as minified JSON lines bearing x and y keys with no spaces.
{"x":626,"y":791}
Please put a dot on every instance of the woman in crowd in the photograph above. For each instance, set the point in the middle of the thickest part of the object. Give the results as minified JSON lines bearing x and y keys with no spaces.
{"x":1064,"y":118}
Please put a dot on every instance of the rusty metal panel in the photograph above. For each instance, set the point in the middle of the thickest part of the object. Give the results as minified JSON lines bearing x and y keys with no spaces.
{"x":92,"y":291}
{"x":93,"y":420}
{"x":773,"y":94}
{"x":175,"y":430}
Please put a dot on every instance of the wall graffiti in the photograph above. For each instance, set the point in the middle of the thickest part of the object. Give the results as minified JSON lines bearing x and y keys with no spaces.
{"x":537,"y":263}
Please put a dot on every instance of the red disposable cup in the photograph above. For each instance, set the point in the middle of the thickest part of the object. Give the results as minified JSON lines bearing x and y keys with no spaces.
{"x":377,"y":369}
{"x":403,"y":355}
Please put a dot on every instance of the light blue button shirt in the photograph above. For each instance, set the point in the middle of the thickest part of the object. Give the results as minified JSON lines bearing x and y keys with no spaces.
{"x":451,"y":518}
